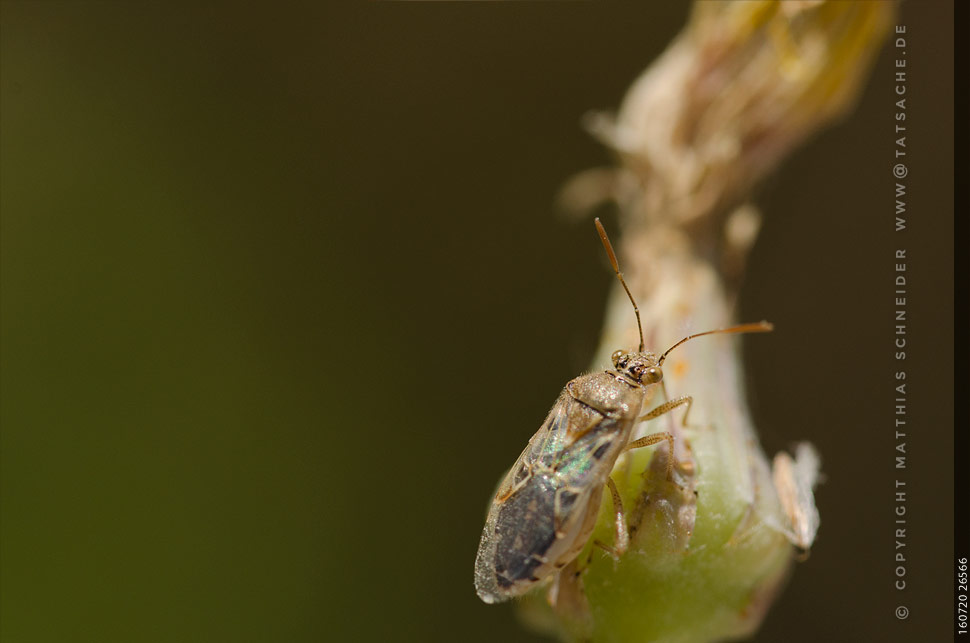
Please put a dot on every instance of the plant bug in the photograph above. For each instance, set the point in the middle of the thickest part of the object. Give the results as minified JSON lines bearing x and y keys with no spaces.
{"x":546,"y":506}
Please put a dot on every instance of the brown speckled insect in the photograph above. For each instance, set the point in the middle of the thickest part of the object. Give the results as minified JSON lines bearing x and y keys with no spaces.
{"x":545,"y":508}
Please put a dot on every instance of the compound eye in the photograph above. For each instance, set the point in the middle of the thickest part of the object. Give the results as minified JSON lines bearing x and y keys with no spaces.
{"x":653,"y":375}
{"x":616,"y":357}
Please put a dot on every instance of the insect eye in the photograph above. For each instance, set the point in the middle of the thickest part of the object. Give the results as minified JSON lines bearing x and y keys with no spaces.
{"x":654,"y":375}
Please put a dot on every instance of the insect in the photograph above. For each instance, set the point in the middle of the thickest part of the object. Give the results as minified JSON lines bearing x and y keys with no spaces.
{"x":546,"y":506}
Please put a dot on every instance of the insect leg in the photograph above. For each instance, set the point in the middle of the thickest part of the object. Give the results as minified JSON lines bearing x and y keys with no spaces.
{"x":653,"y":439}
{"x":621,"y":538}
{"x":669,"y":405}
{"x":666,"y":407}
{"x":614,"y":554}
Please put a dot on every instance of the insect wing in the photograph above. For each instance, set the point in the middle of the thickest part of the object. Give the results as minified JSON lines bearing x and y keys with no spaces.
{"x":540,"y":512}
{"x":491,"y":583}
{"x":542,"y":449}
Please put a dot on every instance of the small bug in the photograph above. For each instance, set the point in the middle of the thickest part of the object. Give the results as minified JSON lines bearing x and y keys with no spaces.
{"x":546,"y":506}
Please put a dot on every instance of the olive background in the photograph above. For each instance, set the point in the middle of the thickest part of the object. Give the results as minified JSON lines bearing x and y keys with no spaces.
{"x":284,"y":291}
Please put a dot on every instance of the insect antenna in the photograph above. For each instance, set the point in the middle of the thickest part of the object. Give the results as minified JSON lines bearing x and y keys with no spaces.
{"x":759,"y":327}
{"x":616,"y":269}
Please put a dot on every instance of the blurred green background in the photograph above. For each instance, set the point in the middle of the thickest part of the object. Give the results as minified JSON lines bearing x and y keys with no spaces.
{"x":284,"y":291}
